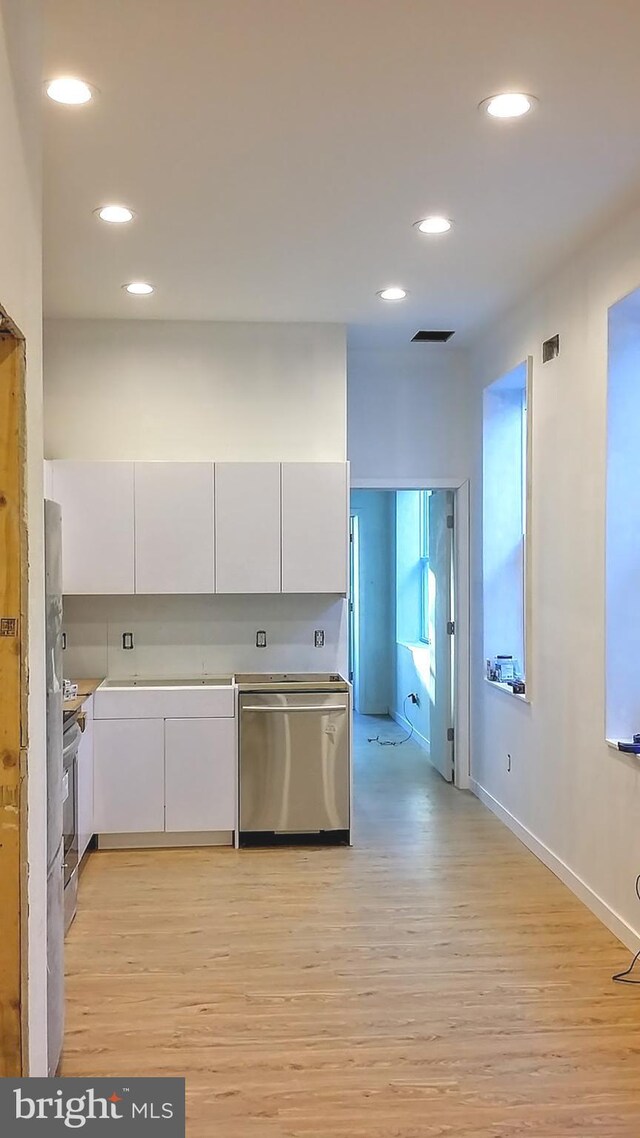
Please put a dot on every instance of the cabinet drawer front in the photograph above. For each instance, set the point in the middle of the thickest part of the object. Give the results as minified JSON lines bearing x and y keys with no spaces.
{"x":164,"y":703}
{"x":128,"y":776}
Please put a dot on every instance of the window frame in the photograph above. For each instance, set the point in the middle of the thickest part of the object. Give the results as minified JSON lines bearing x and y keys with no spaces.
{"x":506,"y":384}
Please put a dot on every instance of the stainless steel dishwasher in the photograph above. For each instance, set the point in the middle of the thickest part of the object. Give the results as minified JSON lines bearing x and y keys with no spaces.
{"x":295,"y":777}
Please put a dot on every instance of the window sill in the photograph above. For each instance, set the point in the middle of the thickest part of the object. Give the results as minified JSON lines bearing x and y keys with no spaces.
{"x":507,"y":690}
{"x":625,"y":754}
{"x":413,"y":644}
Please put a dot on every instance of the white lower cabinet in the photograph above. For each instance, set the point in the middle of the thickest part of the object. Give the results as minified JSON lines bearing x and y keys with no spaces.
{"x":173,"y":775}
{"x":200,"y":773}
{"x":85,"y":781}
{"x":128,"y":776}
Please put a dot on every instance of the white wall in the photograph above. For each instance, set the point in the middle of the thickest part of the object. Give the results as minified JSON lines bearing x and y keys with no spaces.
{"x":21,"y":296}
{"x":184,"y":637}
{"x":576,"y":801}
{"x":374,"y":689}
{"x":190,"y":390}
{"x":408,"y":413}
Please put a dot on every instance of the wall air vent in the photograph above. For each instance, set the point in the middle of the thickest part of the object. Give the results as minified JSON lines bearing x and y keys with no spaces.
{"x":431,"y":337}
{"x":550,"y":349}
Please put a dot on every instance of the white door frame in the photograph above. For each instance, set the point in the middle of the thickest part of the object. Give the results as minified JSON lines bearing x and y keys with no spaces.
{"x":461,"y":552}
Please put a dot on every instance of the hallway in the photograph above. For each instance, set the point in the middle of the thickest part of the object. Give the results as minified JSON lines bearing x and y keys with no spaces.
{"x":435,"y":979}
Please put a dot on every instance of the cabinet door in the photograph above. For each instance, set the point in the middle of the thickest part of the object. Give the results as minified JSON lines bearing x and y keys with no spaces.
{"x":85,"y":781}
{"x":315,"y":527}
{"x":174,"y":527}
{"x":200,"y":763}
{"x":128,"y":792}
{"x":97,"y":525}
{"x":248,"y":527}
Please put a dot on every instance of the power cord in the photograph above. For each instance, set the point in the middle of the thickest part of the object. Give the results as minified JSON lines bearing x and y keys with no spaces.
{"x":398,"y":742}
{"x":624,"y":977}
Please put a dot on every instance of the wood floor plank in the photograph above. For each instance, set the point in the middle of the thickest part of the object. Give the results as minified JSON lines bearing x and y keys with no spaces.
{"x":434,"y":980}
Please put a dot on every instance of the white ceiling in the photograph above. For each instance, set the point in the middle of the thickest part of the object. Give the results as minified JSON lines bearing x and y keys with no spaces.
{"x":277,"y":152}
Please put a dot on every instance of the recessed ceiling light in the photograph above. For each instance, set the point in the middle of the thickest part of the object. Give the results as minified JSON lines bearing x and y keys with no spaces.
{"x":115,"y":214}
{"x":138,"y":288}
{"x":68,"y":90}
{"x":392,"y":293}
{"x":434,"y":224}
{"x":510,"y":105}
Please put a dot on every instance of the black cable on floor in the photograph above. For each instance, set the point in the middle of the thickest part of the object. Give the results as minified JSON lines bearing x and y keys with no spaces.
{"x":395,"y":742}
{"x":625,"y":977}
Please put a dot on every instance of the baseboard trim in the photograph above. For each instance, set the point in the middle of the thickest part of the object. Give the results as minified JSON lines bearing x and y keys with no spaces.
{"x":613,"y":921}
{"x":421,"y":740}
{"x":165,"y":840}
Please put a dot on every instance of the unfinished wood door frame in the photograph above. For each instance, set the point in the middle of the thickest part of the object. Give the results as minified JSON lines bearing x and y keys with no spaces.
{"x":13,"y":701}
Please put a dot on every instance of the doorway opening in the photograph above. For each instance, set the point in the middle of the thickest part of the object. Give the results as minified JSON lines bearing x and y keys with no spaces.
{"x":407,"y":663}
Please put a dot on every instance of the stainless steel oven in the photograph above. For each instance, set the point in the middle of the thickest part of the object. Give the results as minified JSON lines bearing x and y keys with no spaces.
{"x":70,"y":743}
{"x":294,"y":760}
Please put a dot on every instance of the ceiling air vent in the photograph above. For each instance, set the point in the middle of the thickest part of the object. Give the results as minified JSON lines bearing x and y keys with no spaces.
{"x":431,"y":337}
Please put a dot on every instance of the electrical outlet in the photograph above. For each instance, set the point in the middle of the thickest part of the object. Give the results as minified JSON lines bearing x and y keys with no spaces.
{"x":261,"y":639}
{"x":127,"y":641}
{"x":414,"y":697}
{"x":318,"y":638}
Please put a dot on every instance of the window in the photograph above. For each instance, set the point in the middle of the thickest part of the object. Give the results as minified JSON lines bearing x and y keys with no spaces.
{"x":505,"y":492}
{"x":425,"y":575}
{"x":622,"y":610}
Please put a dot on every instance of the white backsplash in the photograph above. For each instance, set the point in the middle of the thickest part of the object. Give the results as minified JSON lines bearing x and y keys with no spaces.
{"x":188,"y":636}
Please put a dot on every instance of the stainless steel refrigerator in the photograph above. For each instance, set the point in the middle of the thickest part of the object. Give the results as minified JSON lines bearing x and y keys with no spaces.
{"x":55,"y":843}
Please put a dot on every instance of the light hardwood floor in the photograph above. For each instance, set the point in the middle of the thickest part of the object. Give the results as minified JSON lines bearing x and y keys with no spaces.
{"x":434,"y":980}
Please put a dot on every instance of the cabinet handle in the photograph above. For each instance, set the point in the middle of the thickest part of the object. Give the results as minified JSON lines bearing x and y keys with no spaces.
{"x":286,"y":710}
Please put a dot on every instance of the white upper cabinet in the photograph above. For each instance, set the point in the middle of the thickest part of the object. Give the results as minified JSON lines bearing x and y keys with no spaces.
{"x":174,"y":527}
{"x":148,"y":527}
{"x":248,"y":527}
{"x":315,"y":527}
{"x":97,"y":525}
